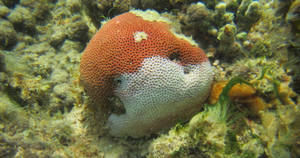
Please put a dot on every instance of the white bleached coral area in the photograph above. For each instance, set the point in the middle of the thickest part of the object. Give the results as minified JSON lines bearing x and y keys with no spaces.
{"x":163,"y":92}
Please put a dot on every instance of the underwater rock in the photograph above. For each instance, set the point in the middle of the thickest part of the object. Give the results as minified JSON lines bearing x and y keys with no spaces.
{"x":4,"y":79}
{"x":73,"y":28}
{"x":10,"y":3}
{"x":40,"y":48}
{"x":227,"y":36}
{"x":22,"y":19}
{"x":155,"y":4}
{"x":62,"y":90}
{"x":253,"y":12}
{"x":248,"y":13}
{"x":294,"y":11}
{"x":172,"y":144}
{"x":117,"y":6}
{"x":221,"y":16}
{"x":155,"y":73}
{"x":293,"y":14}
{"x":220,"y":8}
{"x":59,"y":76}
{"x":41,"y":12}
{"x":74,"y":6}
{"x":232,"y":6}
{"x":27,"y":2}
{"x":8,"y":36}
{"x":78,"y":31}
{"x":58,"y":36}
{"x":197,"y":11}
{"x":219,"y":131}
{"x":243,"y":8}
{"x":278,"y":132}
{"x":199,"y":15}
{"x":100,"y":10}
{"x":286,"y":93}
{"x":220,"y":23}
{"x":2,"y":62}
{"x":4,"y":11}
{"x":206,"y":134}
{"x":62,"y":100}
{"x":242,"y":36}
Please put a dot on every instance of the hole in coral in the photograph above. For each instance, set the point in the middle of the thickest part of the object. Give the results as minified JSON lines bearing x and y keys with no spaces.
{"x":186,"y":70}
{"x":64,"y":140}
{"x":175,"y":57}
{"x":117,"y":105}
{"x":118,"y":81}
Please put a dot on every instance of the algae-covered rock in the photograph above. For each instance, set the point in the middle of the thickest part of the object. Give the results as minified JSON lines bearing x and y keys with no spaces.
{"x":11,"y":3}
{"x":199,"y":15}
{"x":8,"y":35}
{"x":22,"y":19}
{"x":78,"y":31}
{"x":219,"y":131}
{"x":248,"y":13}
{"x":4,"y":11}
{"x":27,"y":2}
{"x":75,"y":6}
{"x":293,"y":14}
{"x":2,"y":62}
{"x":207,"y":133}
{"x":58,"y":36}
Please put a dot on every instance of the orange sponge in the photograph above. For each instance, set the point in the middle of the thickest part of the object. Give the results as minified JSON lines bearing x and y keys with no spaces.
{"x":240,"y":94}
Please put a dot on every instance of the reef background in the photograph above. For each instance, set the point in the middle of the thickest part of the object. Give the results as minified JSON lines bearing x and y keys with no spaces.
{"x":44,"y":111}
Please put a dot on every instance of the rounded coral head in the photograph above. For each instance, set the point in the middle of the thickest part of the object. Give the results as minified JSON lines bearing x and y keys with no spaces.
{"x":157,"y":76}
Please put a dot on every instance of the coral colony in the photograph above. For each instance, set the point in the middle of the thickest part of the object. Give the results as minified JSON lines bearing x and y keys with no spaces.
{"x":158,"y":76}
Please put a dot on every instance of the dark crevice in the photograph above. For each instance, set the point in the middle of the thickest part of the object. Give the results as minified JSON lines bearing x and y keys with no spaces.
{"x":175,"y":57}
{"x":117,"y":106}
{"x":186,"y":70}
{"x":118,"y":81}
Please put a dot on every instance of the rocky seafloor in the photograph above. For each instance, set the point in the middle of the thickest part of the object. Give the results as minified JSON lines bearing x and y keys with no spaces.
{"x":44,"y":111}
